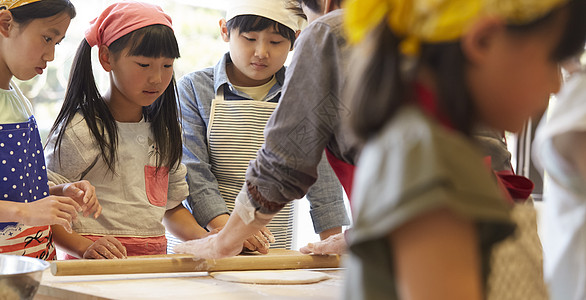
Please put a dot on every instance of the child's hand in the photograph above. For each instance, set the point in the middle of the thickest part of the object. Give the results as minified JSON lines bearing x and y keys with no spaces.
{"x":106,"y":247}
{"x":51,"y":210}
{"x":84,"y":193}
{"x":260,"y":241}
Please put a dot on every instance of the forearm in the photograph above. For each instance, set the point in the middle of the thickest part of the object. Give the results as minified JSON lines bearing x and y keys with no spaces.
{"x":11,"y":211}
{"x":245,"y":221}
{"x":181,"y":224}
{"x":218,"y":222}
{"x":72,"y":243}
{"x":232,"y":236}
{"x":206,"y":207}
{"x":329,"y":232}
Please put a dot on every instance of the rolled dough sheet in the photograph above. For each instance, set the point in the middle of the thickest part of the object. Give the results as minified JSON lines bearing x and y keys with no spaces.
{"x":272,"y":277}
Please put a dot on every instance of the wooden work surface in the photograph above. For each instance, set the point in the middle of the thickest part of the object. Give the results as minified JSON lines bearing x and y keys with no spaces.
{"x":181,"y":285}
{"x":196,"y":285}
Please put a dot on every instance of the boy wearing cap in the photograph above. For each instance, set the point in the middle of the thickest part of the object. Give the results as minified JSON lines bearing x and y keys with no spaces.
{"x":224,"y":111}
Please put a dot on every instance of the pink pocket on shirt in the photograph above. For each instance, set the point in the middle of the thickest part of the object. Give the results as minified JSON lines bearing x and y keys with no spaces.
{"x":157,"y":184}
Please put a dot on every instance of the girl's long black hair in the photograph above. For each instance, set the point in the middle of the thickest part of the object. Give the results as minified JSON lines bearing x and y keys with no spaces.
{"x":378,"y":88}
{"x":82,"y":96}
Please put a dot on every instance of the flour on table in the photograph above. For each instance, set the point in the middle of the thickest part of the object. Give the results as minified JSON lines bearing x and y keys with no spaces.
{"x":272,"y":277}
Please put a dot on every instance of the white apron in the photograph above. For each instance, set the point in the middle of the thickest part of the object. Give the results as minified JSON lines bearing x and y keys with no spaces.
{"x":235,"y":134}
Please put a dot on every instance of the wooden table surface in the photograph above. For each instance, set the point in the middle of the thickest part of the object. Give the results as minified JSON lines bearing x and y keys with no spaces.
{"x":189,"y":285}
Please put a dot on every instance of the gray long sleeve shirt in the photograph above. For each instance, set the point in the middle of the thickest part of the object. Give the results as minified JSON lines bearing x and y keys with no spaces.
{"x":308,"y":118}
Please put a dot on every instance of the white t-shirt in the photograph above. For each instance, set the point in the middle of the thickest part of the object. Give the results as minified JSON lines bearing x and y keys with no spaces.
{"x":14,"y":106}
{"x":128,"y":207}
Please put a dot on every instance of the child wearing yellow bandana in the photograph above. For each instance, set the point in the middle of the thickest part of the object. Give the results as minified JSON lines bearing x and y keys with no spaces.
{"x":427,"y":211}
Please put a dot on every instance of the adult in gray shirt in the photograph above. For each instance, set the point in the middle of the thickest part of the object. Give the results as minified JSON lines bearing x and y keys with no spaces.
{"x":307,"y":121}
{"x":209,"y":191}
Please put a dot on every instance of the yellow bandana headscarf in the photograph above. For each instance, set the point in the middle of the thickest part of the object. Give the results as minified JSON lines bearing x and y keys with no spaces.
{"x":432,"y":21}
{"x":10,"y":4}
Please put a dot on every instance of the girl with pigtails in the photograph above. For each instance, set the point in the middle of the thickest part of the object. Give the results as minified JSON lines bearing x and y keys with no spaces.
{"x":126,"y":142}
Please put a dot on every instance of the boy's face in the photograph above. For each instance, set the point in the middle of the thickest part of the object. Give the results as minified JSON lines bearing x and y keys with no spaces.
{"x":256,"y":56}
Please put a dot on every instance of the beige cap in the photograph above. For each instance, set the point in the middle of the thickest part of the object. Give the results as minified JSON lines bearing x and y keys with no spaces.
{"x":275,"y":10}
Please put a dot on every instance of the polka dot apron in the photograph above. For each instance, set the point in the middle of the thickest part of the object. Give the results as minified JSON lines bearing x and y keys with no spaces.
{"x":23,"y":178}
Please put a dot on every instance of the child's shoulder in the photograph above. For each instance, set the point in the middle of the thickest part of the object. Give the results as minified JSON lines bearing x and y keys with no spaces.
{"x":202,"y":77}
{"x":408,"y":123}
{"x":209,"y":74}
{"x":77,"y":125}
{"x":77,"y":121}
{"x":14,"y":106}
{"x":330,"y":25}
{"x":333,"y":21}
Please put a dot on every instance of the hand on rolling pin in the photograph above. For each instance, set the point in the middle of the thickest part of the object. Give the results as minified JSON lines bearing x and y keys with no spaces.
{"x":260,"y":241}
{"x":106,"y":247}
{"x":335,"y":244}
{"x":229,"y":241}
{"x":205,"y":248}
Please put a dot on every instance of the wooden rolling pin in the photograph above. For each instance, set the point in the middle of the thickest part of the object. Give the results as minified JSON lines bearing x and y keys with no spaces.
{"x":284,"y":259}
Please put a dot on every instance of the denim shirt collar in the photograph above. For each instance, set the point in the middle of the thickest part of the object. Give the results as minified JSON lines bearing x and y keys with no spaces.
{"x":221,"y":79}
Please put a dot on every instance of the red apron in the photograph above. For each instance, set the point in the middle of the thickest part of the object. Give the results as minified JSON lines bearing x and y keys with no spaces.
{"x":344,"y":171}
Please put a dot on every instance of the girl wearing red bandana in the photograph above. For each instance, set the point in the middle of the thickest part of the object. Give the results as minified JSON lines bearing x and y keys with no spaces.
{"x":127,"y":142}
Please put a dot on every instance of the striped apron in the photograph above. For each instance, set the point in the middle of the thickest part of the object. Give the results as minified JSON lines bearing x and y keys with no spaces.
{"x":235,"y":134}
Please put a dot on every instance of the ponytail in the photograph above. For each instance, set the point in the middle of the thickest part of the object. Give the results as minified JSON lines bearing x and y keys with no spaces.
{"x":384,"y":82}
{"x":83,"y":96}
{"x":376,"y":90}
